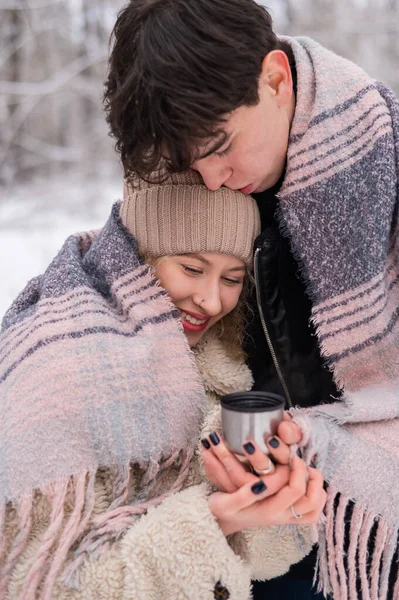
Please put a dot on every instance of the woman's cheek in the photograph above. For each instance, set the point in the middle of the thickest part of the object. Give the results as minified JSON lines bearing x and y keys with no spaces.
{"x":232,"y":300}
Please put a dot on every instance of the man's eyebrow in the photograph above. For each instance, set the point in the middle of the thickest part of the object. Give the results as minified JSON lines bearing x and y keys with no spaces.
{"x":225,"y":137}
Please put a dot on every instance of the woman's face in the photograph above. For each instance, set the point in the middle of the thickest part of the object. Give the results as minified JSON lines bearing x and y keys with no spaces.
{"x":204,"y":287}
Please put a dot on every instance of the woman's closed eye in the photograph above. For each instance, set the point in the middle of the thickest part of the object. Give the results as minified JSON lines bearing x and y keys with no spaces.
{"x":192,"y":270}
{"x":196,"y":271}
{"x":232,"y":281}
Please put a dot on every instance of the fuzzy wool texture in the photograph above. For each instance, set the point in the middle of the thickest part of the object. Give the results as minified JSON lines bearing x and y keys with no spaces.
{"x":175,"y":550}
{"x":183,"y":528}
{"x":339,"y":208}
{"x":214,"y":366}
{"x":166,"y":218}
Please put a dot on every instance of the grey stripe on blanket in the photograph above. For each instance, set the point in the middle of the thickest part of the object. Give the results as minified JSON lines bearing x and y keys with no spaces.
{"x":339,"y":207}
{"x":95,"y":370}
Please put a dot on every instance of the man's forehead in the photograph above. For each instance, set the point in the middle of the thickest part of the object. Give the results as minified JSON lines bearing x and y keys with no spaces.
{"x":205,"y":147}
{"x":211,"y":145}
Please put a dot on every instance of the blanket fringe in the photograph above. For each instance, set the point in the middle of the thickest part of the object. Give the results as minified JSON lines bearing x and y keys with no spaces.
{"x":113,"y":523}
{"x":2,"y":536}
{"x":363,"y":554}
{"x":380,"y":541}
{"x":360,"y":566}
{"x":321,"y":580}
{"x":340,"y":544}
{"x":330,"y":547}
{"x":68,"y":536}
{"x":354,"y":538}
{"x":32,"y":580}
{"x":71,"y":522}
{"x":24,"y":513}
{"x":387,"y":561}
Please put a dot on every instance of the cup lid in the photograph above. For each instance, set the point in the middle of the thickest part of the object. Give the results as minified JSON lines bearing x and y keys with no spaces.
{"x":252,"y":401}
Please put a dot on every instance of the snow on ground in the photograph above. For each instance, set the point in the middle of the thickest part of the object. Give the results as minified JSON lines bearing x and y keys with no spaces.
{"x":36,"y":218}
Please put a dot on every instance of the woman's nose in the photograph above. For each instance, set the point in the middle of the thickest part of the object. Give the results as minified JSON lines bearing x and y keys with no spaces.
{"x":211,"y":302}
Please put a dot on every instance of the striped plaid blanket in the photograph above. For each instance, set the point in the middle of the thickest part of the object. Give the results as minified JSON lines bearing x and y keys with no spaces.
{"x":95,"y":371}
{"x":339,"y":206}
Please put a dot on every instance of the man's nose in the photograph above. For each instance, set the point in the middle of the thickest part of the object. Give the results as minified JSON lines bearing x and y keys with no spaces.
{"x":214,"y":176}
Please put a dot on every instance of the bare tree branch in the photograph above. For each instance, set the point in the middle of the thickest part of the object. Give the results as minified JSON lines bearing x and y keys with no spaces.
{"x":11,"y":129}
{"x":43,"y":88}
{"x":9,"y":51}
{"x":50,"y":151}
{"x":7,"y":5}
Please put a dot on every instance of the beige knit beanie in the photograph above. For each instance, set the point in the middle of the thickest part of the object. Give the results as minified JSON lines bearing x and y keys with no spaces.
{"x":181,"y":215}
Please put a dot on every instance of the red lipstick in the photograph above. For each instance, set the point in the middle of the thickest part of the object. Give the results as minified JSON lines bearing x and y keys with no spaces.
{"x":191,"y":327}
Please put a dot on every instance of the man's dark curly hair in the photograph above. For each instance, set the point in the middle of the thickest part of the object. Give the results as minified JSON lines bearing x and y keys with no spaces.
{"x":176,"y":69}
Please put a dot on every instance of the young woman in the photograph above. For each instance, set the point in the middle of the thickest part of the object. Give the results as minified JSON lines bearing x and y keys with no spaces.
{"x":103,"y":404}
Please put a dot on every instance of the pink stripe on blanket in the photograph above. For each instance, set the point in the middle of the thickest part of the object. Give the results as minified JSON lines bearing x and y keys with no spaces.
{"x":114,"y":360}
{"x":309,"y":176}
{"x":342,"y":303}
{"x":92,"y":311}
{"x":78,"y":324}
{"x":382,"y":435}
{"x":375,"y":364}
{"x":79,"y":296}
{"x":358,"y":331}
{"x":356,"y":312}
{"x":127,"y":279}
{"x":369,"y":113}
{"x":312,"y":66}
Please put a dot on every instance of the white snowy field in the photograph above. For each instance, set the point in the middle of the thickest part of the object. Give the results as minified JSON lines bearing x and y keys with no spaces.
{"x":36,"y":218}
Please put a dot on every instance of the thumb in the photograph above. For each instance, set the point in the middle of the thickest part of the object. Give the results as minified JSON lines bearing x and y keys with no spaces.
{"x":289,"y":432}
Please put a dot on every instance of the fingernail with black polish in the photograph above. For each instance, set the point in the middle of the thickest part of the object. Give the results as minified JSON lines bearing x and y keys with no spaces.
{"x":311,"y":464}
{"x":249,"y":447}
{"x":205,"y":443}
{"x":273,"y":442}
{"x":258,"y":487}
{"x":299,"y":452}
{"x":214,"y":438}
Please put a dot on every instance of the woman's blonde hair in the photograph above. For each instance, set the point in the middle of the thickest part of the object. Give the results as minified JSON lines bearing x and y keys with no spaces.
{"x":231,"y":328}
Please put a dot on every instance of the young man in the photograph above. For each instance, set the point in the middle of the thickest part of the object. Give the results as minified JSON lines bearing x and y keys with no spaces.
{"x":207,"y":85}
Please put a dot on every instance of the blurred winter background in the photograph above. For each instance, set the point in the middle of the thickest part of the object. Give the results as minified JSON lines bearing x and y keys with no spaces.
{"x":58,"y":170}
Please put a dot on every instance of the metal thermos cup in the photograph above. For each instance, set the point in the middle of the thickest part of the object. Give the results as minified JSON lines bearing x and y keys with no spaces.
{"x":250,"y":416}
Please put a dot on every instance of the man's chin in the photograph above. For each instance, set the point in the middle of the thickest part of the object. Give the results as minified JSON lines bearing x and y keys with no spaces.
{"x":266,"y":185}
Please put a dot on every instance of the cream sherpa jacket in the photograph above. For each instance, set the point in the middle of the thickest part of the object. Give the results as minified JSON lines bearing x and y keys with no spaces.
{"x":176,"y":551}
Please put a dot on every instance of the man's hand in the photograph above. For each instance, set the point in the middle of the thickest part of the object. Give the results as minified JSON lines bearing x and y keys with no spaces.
{"x":289,"y":432}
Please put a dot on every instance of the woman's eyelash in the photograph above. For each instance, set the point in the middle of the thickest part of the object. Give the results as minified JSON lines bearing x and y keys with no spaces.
{"x":192,"y":270}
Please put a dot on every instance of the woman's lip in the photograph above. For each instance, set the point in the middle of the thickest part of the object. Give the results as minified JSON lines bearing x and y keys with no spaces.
{"x":190,"y":327}
{"x":195,"y":315}
{"x":247,"y":189}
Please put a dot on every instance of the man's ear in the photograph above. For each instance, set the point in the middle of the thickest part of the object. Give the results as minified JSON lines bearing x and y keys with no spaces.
{"x":276,"y":76}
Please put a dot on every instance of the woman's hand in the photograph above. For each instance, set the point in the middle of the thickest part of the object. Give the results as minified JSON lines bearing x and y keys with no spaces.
{"x":247,"y":500}
{"x":228,"y":473}
{"x":255,"y":504}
